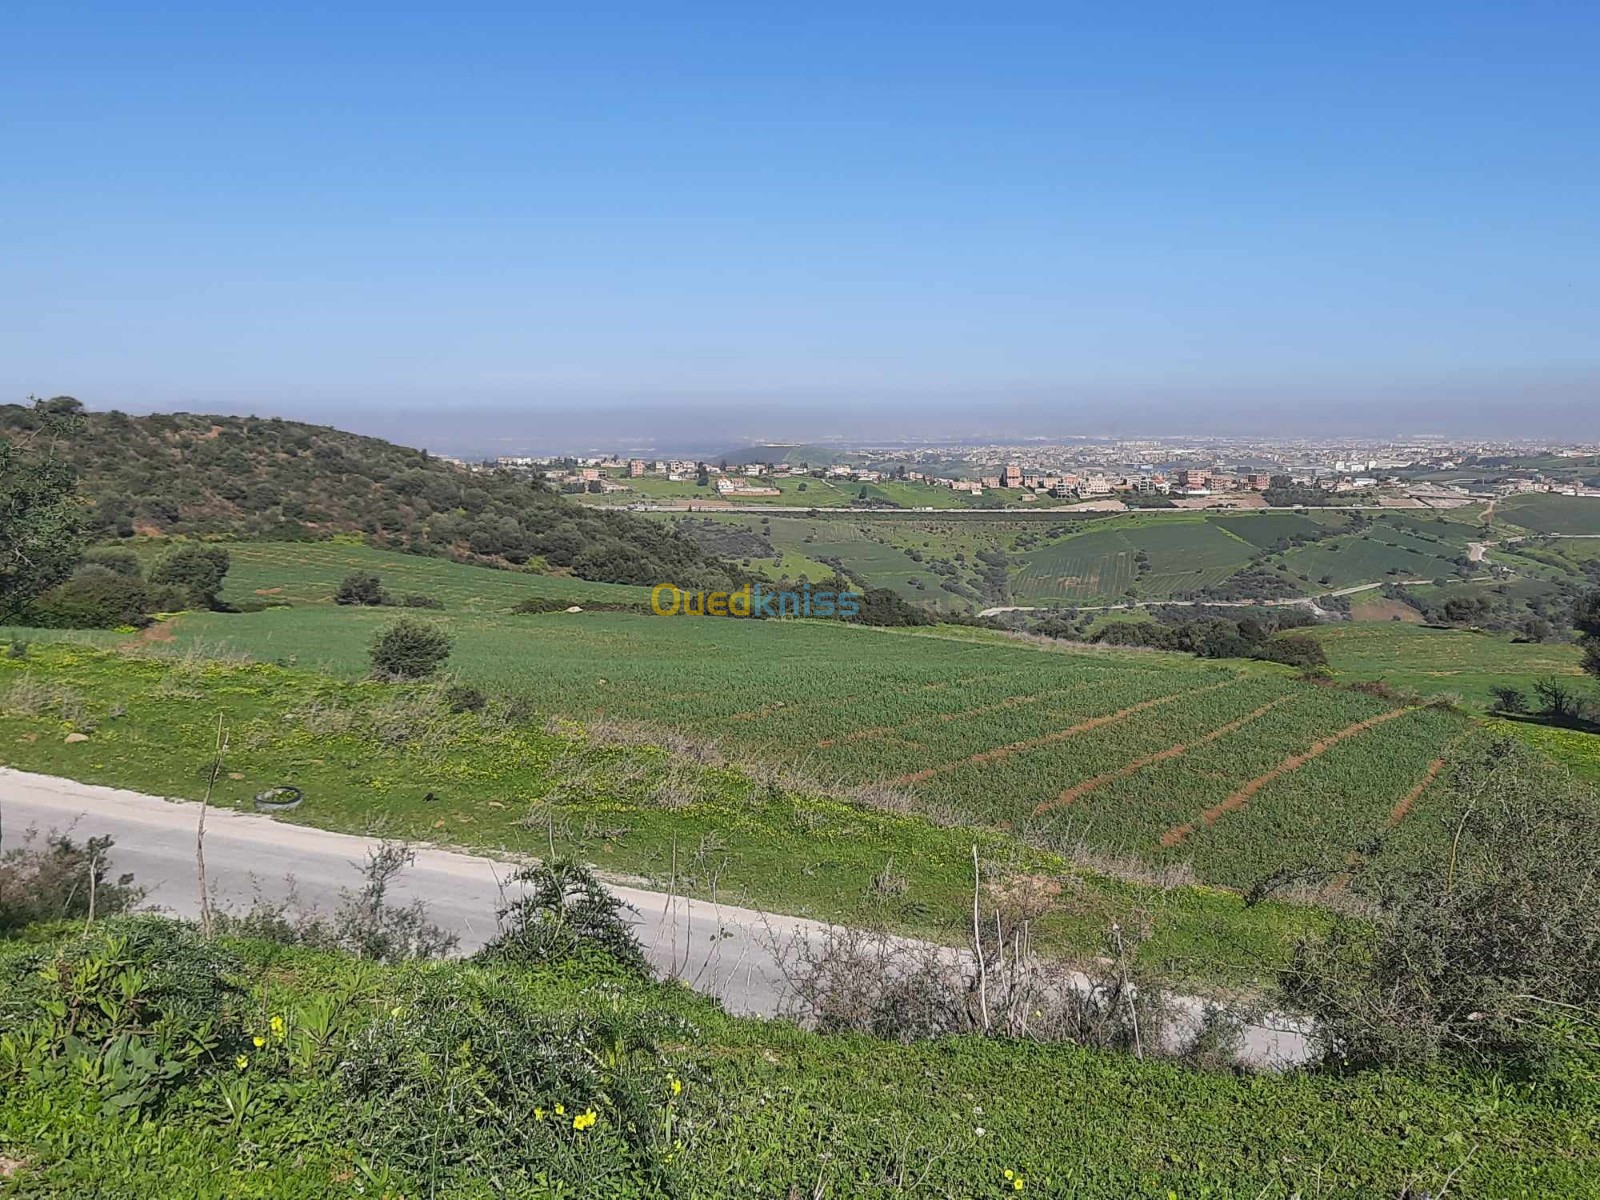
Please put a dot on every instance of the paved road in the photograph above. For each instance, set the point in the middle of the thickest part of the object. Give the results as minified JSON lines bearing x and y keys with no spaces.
{"x":725,"y":952}
{"x":734,"y":954}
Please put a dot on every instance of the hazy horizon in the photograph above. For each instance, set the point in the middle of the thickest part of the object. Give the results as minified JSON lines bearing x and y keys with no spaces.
{"x":682,"y":425}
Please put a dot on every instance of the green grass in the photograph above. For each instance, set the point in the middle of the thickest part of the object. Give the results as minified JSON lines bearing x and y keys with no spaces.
{"x":309,"y":573}
{"x":1381,"y":553}
{"x":1264,"y":529}
{"x":870,"y":707}
{"x":1432,"y":661}
{"x":1579,"y":751}
{"x":1100,"y":564}
{"x":967,"y":725}
{"x":760,"y":1109}
{"x":1546,"y":513}
{"x":368,"y":755}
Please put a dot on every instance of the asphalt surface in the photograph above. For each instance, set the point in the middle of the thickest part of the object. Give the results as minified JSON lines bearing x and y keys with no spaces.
{"x":736,"y":955}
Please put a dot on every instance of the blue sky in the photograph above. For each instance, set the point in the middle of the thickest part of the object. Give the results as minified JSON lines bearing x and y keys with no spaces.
{"x":1195,"y":211}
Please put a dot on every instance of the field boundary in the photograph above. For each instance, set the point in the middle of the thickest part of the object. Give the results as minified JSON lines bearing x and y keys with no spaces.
{"x":997,"y":753}
{"x":1078,"y":790}
{"x":1236,"y":800}
{"x":879,"y":731}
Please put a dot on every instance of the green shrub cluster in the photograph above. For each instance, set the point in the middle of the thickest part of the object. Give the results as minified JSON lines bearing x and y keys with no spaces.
{"x":183,"y":473}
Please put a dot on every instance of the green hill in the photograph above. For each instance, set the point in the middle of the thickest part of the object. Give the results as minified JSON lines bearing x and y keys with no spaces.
{"x":252,"y":477}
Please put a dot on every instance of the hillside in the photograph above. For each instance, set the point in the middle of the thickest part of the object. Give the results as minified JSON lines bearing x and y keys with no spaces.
{"x":251,"y":477}
{"x":299,"y":1075}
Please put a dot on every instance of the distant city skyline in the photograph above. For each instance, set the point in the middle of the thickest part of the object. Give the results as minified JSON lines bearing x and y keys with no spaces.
{"x":433,"y":223}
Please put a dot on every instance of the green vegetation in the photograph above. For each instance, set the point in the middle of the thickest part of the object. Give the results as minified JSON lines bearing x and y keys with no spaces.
{"x":1431,"y":661}
{"x":409,"y":649}
{"x":41,"y":524}
{"x":412,"y":762}
{"x":140,"y":1060}
{"x":311,"y":573}
{"x":964,"y":724}
{"x":1544,"y":512}
{"x":244,"y":477}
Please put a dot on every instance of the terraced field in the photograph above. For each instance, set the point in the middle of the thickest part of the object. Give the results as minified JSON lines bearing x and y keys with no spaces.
{"x":1236,"y":768}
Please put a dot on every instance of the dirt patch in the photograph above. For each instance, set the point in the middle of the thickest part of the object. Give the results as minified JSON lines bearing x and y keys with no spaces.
{"x":10,"y":1166}
{"x":1401,"y":809}
{"x":1080,"y":790}
{"x":277,"y":591}
{"x":1383,"y":609}
{"x":1180,"y":833}
{"x":1025,"y":897}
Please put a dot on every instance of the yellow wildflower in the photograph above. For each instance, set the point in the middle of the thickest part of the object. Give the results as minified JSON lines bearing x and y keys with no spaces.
{"x":277,"y":1027}
{"x":538,"y":1114}
{"x":396,"y":1011}
{"x":677,"y":1086}
{"x":259,"y":1041}
{"x":241,"y":1062}
{"x":585,"y":1119}
{"x":561,"y":1110}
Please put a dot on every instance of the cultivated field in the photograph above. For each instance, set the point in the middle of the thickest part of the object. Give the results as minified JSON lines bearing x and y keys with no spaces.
{"x":1099,"y":565}
{"x":1545,"y":513}
{"x":1237,"y":768}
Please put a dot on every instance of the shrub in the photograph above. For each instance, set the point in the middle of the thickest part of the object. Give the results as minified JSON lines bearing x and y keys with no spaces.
{"x":1484,"y":949}
{"x":563,"y":911}
{"x":882,"y":606}
{"x":360,"y":587}
{"x":197,"y":570}
{"x":465,"y":1084}
{"x":365,"y":924}
{"x":409,"y":649}
{"x":418,"y":600}
{"x":56,"y":881}
{"x":1508,"y":699}
{"x":96,"y":597}
{"x":463,"y":697}
{"x":113,"y":558}
{"x":1295,"y":650}
{"x":129,"y":1011}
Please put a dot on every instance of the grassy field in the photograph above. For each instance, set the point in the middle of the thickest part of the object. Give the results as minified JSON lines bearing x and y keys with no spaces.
{"x":309,"y":573}
{"x":397,"y":761}
{"x":1081,"y":559}
{"x":1546,"y":513}
{"x":1164,"y":760}
{"x":1100,"y":564}
{"x":353,"y":1089}
{"x":1430,"y":661}
{"x":971,"y":724}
